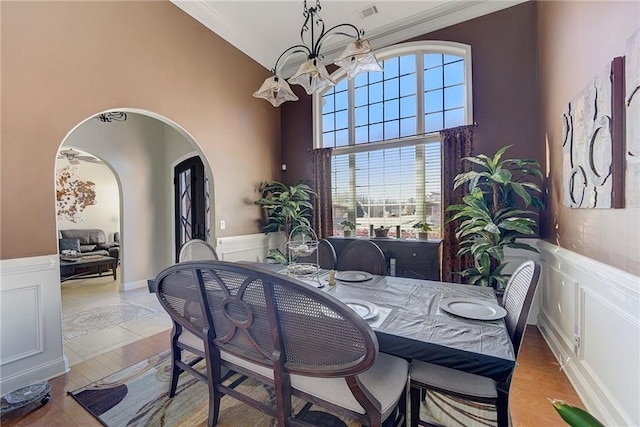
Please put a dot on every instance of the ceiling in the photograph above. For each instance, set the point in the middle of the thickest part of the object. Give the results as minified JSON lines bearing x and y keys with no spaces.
{"x":263,"y":29}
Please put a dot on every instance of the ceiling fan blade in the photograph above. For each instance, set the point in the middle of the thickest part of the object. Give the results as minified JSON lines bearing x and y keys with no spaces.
{"x":89,"y":159}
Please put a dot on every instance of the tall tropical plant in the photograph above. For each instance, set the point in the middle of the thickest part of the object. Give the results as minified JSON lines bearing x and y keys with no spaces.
{"x":286,"y":207}
{"x":495,"y":212}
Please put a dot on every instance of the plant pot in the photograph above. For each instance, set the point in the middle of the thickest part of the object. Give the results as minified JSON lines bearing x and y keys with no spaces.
{"x":380,"y":232}
{"x":423,"y":235}
{"x":347,"y":233}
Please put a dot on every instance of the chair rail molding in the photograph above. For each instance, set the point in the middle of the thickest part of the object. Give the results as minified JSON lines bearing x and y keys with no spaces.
{"x":30,"y":321}
{"x":590,"y":318}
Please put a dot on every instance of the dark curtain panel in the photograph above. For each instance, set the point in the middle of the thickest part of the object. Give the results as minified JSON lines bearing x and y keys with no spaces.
{"x":322,"y":221}
{"x":456,"y":144}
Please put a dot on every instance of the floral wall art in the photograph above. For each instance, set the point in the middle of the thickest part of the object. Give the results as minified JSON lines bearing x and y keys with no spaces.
{"x":73,"y":194}
{"x":592,"y":148}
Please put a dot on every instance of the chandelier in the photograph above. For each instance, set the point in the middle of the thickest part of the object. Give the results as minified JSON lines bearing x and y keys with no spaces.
{"x":112,"y":116}
{"x":312,"y":74}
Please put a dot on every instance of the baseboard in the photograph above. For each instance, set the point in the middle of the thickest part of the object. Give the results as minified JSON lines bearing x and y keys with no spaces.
{"x":132,"y":285}
{"x":590,"y":318}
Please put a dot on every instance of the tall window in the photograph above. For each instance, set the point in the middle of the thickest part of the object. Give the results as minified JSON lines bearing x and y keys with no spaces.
{"x":384,"y":128}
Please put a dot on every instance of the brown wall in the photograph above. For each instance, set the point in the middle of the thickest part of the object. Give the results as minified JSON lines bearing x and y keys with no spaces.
{"x":576,"y":41}
{"x":505,"y":100}
{"x":503,"y":46}
{"x":65,"y":61}
{"x":505,"y":88}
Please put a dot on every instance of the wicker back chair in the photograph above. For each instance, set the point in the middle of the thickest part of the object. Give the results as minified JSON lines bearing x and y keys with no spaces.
{"x":459,"y":398}
{"x":517,"y":299}
{"x":197,"y":250}
{"x":284,"y":333}
{"x":363,"y":255}
{"x":326,"y":255}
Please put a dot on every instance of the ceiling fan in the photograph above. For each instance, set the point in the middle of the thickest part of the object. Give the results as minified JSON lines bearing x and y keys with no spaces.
{"x":75,"y":157}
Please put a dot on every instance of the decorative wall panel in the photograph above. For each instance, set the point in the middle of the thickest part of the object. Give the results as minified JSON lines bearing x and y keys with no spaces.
{"x":593,"y":143}
{"x":632,"y":103}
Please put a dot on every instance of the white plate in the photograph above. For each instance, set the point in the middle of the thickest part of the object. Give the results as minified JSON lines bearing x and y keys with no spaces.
{"x":353,"y":276}
{"x":365,"y":309}
{"x":472,"y":308}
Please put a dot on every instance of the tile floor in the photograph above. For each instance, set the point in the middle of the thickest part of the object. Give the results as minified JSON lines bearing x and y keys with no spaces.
{"x":85,"y":294}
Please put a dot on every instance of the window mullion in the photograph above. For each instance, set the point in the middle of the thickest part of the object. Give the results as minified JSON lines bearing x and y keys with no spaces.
{"x":420,"y":92}
{"x":420,"y":149}
{"x":352,"y":210}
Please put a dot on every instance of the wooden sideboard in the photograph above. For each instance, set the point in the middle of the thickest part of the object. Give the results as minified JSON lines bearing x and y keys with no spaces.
{"x":418,"y":259}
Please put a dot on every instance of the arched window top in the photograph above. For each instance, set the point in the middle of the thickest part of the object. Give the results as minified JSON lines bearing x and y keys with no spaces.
{"x":425,"y":87}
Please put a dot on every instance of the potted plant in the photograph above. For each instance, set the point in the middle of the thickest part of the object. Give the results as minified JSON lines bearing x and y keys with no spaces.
{"x":286,"y":207}
{"x":423,"y":229}
{"x":381,"y":231}
{"x":495,"y":212}
{"x":347,"y":227}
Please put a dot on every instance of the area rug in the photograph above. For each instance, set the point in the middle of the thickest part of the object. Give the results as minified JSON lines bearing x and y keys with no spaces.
{"x":82,"y":323}
{"x":137,"y":397}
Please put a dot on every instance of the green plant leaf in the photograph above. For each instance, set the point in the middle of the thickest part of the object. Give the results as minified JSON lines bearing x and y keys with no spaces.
{"x":574,"y":416}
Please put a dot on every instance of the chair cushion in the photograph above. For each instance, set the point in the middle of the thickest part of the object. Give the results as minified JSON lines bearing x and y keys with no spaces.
{"x":386,"y":380}
{"x":428,"y":375}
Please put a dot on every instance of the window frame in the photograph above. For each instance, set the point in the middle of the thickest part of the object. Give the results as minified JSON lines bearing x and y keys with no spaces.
{"x":419,"y":47}
{"x":421,"y":138}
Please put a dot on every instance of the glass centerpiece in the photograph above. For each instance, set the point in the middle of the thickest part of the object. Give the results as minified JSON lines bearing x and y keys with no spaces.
{"x":302,"y":251}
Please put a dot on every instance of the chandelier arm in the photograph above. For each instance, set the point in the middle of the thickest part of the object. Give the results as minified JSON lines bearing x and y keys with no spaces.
{"x":330,"y":32}
{"x":300,"y":48}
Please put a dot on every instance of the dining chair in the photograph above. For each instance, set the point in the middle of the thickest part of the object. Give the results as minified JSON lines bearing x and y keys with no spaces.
{"x":297,"y":340}
{"x":453,"y":397}
{"x":197,"y":250}
{"x":363,"y":255}
{"x":192,"y":250}
{"x":326,"y":256}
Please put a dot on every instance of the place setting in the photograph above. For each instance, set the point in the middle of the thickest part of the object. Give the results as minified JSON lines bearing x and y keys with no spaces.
{"x":472,"y":308}
{"x":369,"y":311}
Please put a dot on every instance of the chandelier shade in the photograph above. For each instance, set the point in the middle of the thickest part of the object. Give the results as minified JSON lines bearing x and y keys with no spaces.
{"x":312,"y":74}
{"x":276,"y":91}
{"x":357,"y":58}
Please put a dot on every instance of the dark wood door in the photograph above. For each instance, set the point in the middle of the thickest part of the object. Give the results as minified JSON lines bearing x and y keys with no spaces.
{"x":191,"y":202}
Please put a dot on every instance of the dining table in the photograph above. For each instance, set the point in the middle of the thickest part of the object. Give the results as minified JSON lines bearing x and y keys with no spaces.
{"x":411,"y":321}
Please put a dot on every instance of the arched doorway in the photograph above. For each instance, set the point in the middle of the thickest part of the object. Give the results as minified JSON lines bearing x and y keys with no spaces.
{"x":141,"y":149}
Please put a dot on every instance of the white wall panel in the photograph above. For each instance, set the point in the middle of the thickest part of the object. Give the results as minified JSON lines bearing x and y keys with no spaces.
{"x":250,"y":247}
{"x":31,"y":321}
{"x":21,"y":332}
{"x":559,"y":303}
{"x":600,"y":306}
{"x":615,"y":374}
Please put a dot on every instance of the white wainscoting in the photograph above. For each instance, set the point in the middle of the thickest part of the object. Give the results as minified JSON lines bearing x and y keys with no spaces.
{"x":30,"y":321}
{"x":250,"y":247}
{"x":590,"y":317}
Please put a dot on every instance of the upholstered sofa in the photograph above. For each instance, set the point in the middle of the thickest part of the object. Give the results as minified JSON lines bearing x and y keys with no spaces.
{"x":88,"y":241}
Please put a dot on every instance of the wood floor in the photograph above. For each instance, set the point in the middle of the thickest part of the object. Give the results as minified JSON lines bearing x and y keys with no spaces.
{"x":537,"y":378}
